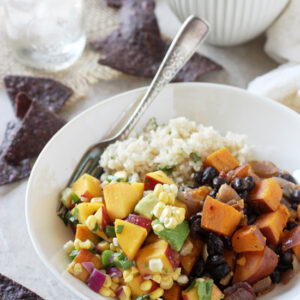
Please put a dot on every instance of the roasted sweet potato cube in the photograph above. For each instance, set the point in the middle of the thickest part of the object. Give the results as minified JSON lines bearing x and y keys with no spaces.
{"x":174,"y":293}
{"x":219,"y":217}
{"x":273,"y":223}
{"x":266,"y":195}
{"x":83,"y":233}
{"x":230,"y":257}
{"x":248,"y":238}
{"x":222,"y":160}
{"x":296,"y":250}
{"x":189,"y":258}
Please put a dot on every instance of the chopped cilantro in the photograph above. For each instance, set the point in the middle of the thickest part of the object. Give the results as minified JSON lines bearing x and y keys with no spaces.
{"x":75,"y":213}
{"x":75,"y":198}
{"x":97,"y":227}
{"x":146,"y":180}
{"x":166,"y":270}
{"x":119,"y":229}
{"x":63,"y":217}
{"x":112,"y":157}
{"x":143,"y":297}
{"x":110,"y":178}
{"x":120,"y":179}
{"x":73,"y":254}
{"x":195,"y":157}
{"x":181,"y":152}
{"x":145,"y":265}
{"x":192,"y":285}
{"x":110,"y":231}
{"x":168,"y":169}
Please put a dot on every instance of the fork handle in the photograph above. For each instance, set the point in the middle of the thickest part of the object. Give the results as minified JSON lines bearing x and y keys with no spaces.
{"x":191,"y":34}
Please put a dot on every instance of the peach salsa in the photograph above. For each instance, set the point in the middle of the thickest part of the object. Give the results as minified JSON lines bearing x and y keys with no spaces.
{"x":233,"y":234}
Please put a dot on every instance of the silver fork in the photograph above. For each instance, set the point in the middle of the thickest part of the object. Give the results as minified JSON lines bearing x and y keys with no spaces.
{"x":191,"y":34}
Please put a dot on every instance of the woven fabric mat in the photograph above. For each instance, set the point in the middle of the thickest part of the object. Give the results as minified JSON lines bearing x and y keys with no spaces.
{"x":100,"y":20}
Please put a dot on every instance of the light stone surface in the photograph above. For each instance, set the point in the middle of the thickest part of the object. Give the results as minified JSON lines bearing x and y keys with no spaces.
{"x":18,"y":258}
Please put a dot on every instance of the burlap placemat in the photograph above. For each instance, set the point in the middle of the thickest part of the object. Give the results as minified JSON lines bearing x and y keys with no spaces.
{"x":100,"y":20}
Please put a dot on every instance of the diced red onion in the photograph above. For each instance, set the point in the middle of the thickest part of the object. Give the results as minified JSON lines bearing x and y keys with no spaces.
{"x":146,"y":277}
{"x":89,"y":266}
{"x":292,"y":239}
{"x":97,"y":248}
{"x":114,"y":272}
{"x":96,"y":280}
{"x":111,"y":259}
{"x":119,"y":291}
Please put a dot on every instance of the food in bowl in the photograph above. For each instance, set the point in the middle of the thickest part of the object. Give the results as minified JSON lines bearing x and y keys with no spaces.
{"x":221,"y":226}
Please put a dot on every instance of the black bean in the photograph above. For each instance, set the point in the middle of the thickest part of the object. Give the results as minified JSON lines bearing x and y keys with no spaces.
{"x":213,"y":193}
{"x":208,"y":175}
{"x":214,"y":244}
{"x":207,"y":274}
{"x":250,"y":182}
{"x":214,"y":260}
{"x":244,"y":195}
{"x":198,"y":268}
{"x":275,"y":276}
{"x":198,"y":177}
{"x":251,"y":219}
{"x":287,"y":177}
{"x":295,"y":206}
{"x":218,"y":181}
{"x":227,"y":242}
{"x":195,"y":227}
{"x":286,"y":258}
{"x":220,"y":271}
{"x":296,"y":196}
{"x":290,"y":225}
{"x":239,"y":184}
{"x":193,"y":218}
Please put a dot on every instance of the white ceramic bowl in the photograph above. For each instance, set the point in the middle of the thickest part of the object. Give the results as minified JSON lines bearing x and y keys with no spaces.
{"x":232,"y":21}
{"x":272,"y":129}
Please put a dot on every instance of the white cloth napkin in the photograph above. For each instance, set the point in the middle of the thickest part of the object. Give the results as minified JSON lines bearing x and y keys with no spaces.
{"x":283,"y":45}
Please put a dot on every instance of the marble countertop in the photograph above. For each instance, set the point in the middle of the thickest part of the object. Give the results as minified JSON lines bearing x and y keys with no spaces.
{"x":18,"y":258}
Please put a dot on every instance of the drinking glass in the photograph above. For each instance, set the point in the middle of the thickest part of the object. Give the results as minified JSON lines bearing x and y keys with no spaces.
{"x":45,"y":34}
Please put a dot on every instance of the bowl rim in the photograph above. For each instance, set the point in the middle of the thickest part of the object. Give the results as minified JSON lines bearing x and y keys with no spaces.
{"x":86,"y":111}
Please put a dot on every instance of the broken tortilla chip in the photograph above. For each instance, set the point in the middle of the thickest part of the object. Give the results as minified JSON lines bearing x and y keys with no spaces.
{"x":49,"y":92}
{"x":23,"y":103}
{"x":11,"y":173}
{"x":137,"y":49}
{"x":37,"y":127}
{"x":114,"y":3}
{"x":11,"y":290}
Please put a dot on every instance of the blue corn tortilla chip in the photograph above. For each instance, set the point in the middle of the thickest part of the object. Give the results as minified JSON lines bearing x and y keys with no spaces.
{"x":49,"y":92}
{"x":11,"y":290}
{"x":10,"y":173}
{"x":37,"y":127}
{"x":23,"y":103}
{"x":136,"y":47}
{"x":114,"y":3}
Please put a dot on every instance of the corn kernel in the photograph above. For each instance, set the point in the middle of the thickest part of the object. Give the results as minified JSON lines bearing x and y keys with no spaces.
{"x":158,"y":227}
{"x":156,"y":278}
{"x":171,"y":198}
{"x":174,"y":189}
{"x":176,"y":274}
{"x":77,"y":269}
{"x":182,"y":279}
{"x":115,"y":242}
{"x":134,"y":270}
{"x":155,"y":265}
{"x":146,"y":285}
{"x":171,"y":223}
{"x":127,"y":291}
{"x":121,"y":175}
{"x":158,"y":189}
{"x":127,"y":275}
{"x":158,"y":209}
{"x":77,"y":244}
{"x":97,"y":200}
{"x":114,"y":286}
{"x":166,"y":188}
{"x":157,"y":293}
{"x":91,"y":222}
{"x":115,"y":279}
{"x":106,"y":292}
{"x":86,"y":245}
{"x":107,"y":282}
{"x":163,"y":197}
{"x":166,"y":213}
{"x":103,"y":246}
{"x":166,"y":282}
{"x":112,"y":247}
{"x":68,"y":247}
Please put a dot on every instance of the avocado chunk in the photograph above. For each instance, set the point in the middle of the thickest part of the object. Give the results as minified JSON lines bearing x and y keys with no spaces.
{"x":175,"y":237}
{"x":145,"y":206}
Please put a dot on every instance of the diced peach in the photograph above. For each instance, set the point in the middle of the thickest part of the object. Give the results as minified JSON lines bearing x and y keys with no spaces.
{"x":84,"y":256}
{"x":83,"y":233}
{"x":219,"y":217}
{"x":222,"y":160}
{"x":258,"y":265}
{"x":130,"y":237}
{"x":273,"y":223}
{"x":174,"y":293}
{"x":216,"y":294}
{"x":188,"y":261}
{"x":87,"y":186}
{"x":266,"y":195}
{"x":160,"y":250}
{"x":135,"y":284}
{"x":84,"y":210}
{"x":153,"y":178}
{"x":102,"y":220}
{"x":121,"y":198}
{"x":248,"y":238}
